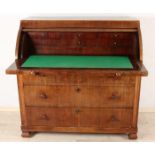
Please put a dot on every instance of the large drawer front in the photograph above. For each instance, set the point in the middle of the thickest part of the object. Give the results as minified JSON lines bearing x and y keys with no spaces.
{"x":56,"y":96}
{"x":79,"y":96}
{"x":105,"y":118}
{"x":80,"y":117}
{"x":77,"y":79}
{"x":56,"y":117}
{"x":106,"y":96}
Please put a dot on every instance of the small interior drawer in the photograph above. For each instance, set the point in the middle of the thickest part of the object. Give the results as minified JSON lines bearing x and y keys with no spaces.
{"x":50,"y":40}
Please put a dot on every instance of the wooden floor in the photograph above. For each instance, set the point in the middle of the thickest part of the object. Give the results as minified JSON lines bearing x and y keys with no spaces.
{"x":10,"y":131}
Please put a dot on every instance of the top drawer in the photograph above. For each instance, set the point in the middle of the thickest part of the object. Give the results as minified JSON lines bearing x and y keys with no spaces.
{"x":77,"y":79}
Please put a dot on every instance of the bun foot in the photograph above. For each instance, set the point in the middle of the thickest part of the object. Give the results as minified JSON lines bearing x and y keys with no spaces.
{"x":132,"y":135}
{"x":26,"y":134}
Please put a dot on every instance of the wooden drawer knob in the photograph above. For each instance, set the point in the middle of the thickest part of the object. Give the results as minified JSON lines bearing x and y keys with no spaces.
{"x":34,"y":73}
{"x":43,"y":96}
{"x":79,"y":35}
{"x":116,"y":75}
{"x":115,"y":43}
{"x":79,"y":43}
{"x":115,"y":35}
{"x":44,"y":117}
{"x":77,"y":110}
{"x":113,"y":118}
{"x":114,"y":97}
{"x":78,"y":89}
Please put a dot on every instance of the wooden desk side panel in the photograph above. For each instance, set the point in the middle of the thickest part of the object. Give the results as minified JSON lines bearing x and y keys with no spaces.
{"x":136,"y":101}
{"x":23,"y":114}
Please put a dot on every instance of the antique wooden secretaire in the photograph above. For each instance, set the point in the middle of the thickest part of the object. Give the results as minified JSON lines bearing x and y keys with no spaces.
{"x":79,"y":76}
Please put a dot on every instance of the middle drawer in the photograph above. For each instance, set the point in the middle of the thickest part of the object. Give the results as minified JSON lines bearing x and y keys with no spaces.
{"x":81,"y":96}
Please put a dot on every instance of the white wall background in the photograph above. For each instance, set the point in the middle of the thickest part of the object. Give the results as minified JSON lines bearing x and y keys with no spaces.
{"x":8,"y":32}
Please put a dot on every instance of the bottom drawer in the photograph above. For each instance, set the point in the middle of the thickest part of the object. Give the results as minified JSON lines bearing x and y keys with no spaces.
{"x":119,"y":118}
{"x":105,"y":118}
{"x":56,"y":117}
{"x":80,"y":117}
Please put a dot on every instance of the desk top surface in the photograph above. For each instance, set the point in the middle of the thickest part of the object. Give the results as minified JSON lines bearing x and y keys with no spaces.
{"x":44,"y":61}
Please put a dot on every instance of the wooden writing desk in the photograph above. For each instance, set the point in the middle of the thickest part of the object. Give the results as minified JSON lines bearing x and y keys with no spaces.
{"x":79,"y":76}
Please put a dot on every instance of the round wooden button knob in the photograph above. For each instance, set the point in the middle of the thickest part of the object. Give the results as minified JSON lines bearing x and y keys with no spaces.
{"x":34,"y":73}
{"x":78,"y":89}
{"x":44,"y":96}
{"x":45,"y":117}
{"x":77,"y":110}
{"x":115,"y":43}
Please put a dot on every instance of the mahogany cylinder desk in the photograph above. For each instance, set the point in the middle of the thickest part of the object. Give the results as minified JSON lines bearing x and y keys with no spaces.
{"x":79,"y":76}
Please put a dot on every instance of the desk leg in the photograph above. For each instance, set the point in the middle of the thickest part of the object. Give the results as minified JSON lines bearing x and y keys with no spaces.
{"x":132,"y":135}
{"x":26,"y":134}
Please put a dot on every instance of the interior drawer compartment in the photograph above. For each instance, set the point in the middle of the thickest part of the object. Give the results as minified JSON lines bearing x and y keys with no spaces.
{"x":65,"y":40}
{"x":54,"y":96}
{"x":56,"y":117}
{"x":89,"y":39}
{"x":116,"y":41}
{"x":48,"y":41}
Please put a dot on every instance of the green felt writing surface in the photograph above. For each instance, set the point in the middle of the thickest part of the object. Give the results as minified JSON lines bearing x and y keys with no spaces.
{"x":44,"y":61}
